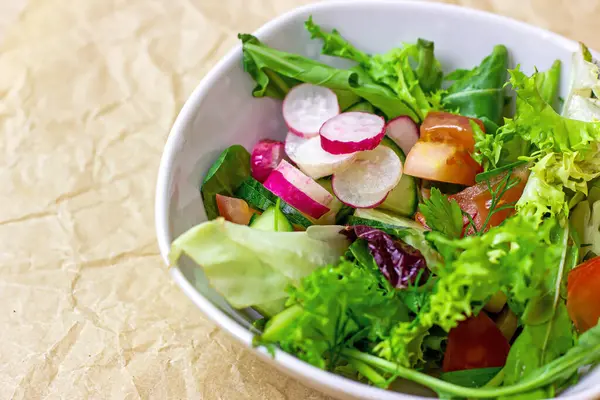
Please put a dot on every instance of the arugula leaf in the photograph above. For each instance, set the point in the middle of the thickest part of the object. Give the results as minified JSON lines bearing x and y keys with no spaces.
{"x":479,"y":93}
{"x":548,"y":331}
{"x":250,"y":268}
{"x":442,"y":215}
{"x":274,"y":71}
{"x":471,"y":377}
{"x":224,"y":176}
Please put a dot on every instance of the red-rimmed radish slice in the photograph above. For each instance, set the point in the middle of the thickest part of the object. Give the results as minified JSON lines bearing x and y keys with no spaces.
{"x":317,"y":163}
{"x":351,"y":132}
{"x":298,"y":190}
{"x":403,"y":131}
{"x":306,"y":107}
{"x":265,"y":157}
{"x":369,"y":179}
{"x":292,"y":142}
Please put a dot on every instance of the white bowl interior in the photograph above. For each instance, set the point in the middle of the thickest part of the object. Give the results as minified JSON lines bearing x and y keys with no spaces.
{"x":222,"y":112}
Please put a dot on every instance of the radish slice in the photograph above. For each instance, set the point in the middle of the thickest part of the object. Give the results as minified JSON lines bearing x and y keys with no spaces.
{"x":403,"y":131}
{"x":351,"y":132}
{"x":317,"y":163}
{"x":306,"y":107}
{"x":367,"y":182}
{"x":298,"y":190}
{"x":265,"y":157}
{"x":292,"y":142}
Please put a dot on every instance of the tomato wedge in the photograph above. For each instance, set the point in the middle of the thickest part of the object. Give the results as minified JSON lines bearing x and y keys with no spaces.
{"x":475,"y":343}
{"x":583,"y":294}
{"x":476,"y":200}
{"x":443,"y":151}
{"x":234,"y":210}
{"x":449,"y":128}
{"x":442,"y":162}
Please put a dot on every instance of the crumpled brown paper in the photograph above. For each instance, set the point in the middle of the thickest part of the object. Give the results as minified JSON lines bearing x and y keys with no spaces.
{"x":89,"y":91}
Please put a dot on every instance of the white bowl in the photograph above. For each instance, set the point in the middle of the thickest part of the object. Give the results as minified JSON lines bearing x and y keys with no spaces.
{"x":221,"y":112}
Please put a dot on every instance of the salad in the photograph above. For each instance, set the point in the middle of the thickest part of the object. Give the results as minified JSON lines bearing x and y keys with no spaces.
{"x":441,"y":228}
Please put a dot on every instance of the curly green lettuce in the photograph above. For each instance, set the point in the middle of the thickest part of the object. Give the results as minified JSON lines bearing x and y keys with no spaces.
{"x":512,"y":258}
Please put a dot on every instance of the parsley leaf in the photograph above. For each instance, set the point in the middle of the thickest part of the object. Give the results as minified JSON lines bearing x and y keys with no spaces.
{"x":442,"y":215}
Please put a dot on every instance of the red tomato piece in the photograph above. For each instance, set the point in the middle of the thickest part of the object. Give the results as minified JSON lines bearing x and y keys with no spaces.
{"x":449,"y":128}
{"x":476,"y":200}
{"x":442,"y":162}
{"x":475,"y":343}
{"x":234,"y":210}
{"x":583,"y":294}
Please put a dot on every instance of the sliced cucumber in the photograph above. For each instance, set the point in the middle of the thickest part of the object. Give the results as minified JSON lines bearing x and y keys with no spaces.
{"x":258,"y":197}
{"x":272,"y":220}
{"x":403,"y":199}
{"x":381,"y":219}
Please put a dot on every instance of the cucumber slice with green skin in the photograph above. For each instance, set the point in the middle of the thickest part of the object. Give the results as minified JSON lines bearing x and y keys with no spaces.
{"x":403,"y":199}
{"x":259,"y":198}
{"x":382,"y":220}
{"x":272,"y":220}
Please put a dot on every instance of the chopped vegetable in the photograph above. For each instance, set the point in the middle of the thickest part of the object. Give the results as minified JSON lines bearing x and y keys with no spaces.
{"x":224,"y":177}
{"x":298,"y":190}
{"x":306,"y":107}
{"x":475,"y":343}
{"x":233,"y":210}
{"x":583,"y":298}
{"x":449,"y":128}
{"x":309,"y":156}
{"x":441,"y":162}
{"x":403,"y":131}
{"x":369,"y":179}
{"x":351,"y":132}
{"x":403,"y":198}
{"x":266,"y":156}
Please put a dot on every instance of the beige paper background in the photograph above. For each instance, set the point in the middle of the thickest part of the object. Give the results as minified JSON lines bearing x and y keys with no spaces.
{"x":89,"y":90}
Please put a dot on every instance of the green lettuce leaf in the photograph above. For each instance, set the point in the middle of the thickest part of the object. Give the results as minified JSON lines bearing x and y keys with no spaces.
{"x":250,"y":268}
{"x":479,"y":93}
{"x":544,"y":192}
{"x":276,"y":71}
{"x":537,"y":122}
{"x":393,"y":69}
{"x":583,"y":100}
